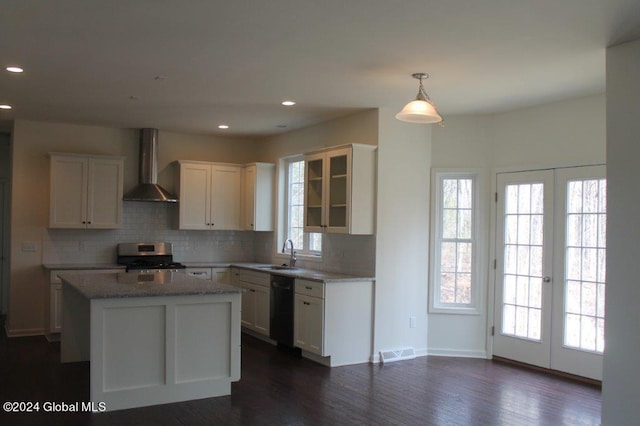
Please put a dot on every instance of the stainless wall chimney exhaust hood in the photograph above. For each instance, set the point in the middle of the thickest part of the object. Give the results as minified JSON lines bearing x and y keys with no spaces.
{"x":148,"y":188}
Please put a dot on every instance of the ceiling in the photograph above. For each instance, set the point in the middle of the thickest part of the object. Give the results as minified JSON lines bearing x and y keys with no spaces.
{"x":187,"y":66}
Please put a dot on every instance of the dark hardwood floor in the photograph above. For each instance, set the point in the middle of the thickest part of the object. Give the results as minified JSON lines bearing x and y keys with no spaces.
{"x":278,"y":388}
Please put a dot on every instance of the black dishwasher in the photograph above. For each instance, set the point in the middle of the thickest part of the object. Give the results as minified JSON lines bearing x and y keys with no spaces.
{"x":281,"y":310}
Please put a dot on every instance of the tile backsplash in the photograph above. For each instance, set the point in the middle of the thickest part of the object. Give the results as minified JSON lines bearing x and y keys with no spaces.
{"x":150,"y":222}
{"x":146,"y":222}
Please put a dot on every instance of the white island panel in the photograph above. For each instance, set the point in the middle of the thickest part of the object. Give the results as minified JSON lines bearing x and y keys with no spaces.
{"x":134,"y":342}
{"x":207,"y":358}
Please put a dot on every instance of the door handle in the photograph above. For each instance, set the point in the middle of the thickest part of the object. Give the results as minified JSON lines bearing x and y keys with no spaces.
{"x":546,"y":279}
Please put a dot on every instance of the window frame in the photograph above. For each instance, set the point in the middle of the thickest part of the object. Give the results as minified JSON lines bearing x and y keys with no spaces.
{"x":301,"y":252}
{"x":436,"y":240}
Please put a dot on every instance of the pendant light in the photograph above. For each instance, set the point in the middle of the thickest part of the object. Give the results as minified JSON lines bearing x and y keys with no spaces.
{"x":421,"y":110}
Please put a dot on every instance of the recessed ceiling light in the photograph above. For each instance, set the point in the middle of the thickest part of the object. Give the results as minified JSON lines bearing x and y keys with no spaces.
{"x":223,"y":126}
{"x":288,"y":103}
{"x":4,"y":106}
{"x":14,"y":69}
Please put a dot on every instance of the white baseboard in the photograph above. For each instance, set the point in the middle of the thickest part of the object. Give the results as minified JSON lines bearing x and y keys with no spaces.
{"x":457,"y":353}
{"x":52,"y":337}
{"x":258,"y":336}
{"x":25,"y":332}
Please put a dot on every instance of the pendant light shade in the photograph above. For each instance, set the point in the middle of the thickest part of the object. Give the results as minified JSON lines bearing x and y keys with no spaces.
{"x":421,"y":110}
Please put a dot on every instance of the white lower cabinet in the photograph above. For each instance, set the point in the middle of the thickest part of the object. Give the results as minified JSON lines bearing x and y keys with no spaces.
{"x":55,"y":294}
{"x":217,"y":275}
{"x":255,"y":300}
{"x":333,"y":321}
{"x":309,"y":323}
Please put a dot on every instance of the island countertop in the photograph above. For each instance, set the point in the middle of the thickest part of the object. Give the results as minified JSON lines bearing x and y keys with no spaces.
{"x":165,"y":283}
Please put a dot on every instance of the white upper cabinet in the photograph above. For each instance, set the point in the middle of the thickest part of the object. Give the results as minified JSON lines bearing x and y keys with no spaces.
{"x":86,"y":191}
{"x":210,"y":195}
{"x":340,"y":190}
{"x":258,"y":196}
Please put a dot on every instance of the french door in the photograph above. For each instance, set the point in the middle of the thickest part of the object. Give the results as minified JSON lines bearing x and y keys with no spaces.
{"x":550,"y":268}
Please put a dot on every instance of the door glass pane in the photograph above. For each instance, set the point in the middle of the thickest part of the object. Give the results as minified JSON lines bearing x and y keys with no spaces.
{"x":522,"y":292}
{"x":585,"y":257}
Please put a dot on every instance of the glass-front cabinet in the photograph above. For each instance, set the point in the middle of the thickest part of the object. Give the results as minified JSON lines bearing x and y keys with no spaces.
{"x":314,"y":193}
{"x":337,"y":199}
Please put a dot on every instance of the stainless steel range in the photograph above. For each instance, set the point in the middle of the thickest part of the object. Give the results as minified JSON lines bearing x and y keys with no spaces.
{"x":148,"y":257}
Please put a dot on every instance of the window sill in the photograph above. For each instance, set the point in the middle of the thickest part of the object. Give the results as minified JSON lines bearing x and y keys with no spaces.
{"x":450,"y":310}
{"x":304,"y":257}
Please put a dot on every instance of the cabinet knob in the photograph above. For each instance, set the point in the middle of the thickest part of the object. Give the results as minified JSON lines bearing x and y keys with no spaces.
{"x":306,"y":303}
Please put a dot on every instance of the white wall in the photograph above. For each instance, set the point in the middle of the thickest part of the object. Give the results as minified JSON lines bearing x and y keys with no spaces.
{"x":402,"y":239}
{"x":563,"y":133}
{"x":464,"y":143}
{"x":621,"y":372}
{"x":360,"y":127}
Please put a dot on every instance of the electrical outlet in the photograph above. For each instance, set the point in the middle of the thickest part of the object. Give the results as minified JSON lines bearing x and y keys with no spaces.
{"x":29,"y":246}
{"x":412,"y":322}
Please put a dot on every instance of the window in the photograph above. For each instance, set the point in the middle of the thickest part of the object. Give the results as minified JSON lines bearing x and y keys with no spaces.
{"x":454,"y":243}
{"x":305,"y":243}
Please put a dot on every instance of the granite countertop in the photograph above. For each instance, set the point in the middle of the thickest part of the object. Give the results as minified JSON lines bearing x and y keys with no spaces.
{"x":103,"y":286}
{"x":80,"y":266}
{"x":303,"y":273}
{"x":307,"y":274}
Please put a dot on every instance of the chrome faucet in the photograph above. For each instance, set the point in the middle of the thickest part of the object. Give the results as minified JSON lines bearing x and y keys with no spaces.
{"x":292,"y":258}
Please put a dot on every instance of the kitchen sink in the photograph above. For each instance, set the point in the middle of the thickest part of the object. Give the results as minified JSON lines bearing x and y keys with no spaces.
{"x":275,"y":267}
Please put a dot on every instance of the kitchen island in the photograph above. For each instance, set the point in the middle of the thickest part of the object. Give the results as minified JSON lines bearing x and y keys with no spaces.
{"x":151,"y":338}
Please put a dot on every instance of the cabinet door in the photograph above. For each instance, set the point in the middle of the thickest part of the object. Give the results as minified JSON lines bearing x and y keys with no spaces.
{"x":104,"y":203}
{"x":314,"y":194}
{"x":248,"y":316}
{"x":338,"y":190}
{"x":195,"y":196}
{"x":226,"y":197}
{"x":309,"y":324}
{"x":300,"y":323}
{"x":68,"y":204}
{"x":263,"y":297}
{"x":259,"y":196}
{"x":315,"y":318}
{"x":55,"y":320}
{"x":249,"y":215}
